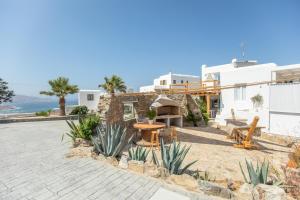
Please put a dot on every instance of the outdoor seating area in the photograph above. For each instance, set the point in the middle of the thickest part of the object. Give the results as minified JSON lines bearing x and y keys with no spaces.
{"x":210,"y":146}
{"x":193,"y":149}
{"x":150,"y":134}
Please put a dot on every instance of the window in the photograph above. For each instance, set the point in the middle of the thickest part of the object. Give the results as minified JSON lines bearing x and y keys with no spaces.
{"x":163,"y":82}
{"x":187,"y":81}
{"x":240,"y":93}
{"x":174,"y":81}
{"x":129,"y":112}
{"x":90,"y":97}
{"x":217,"y":76}
{"x":181,"y":81}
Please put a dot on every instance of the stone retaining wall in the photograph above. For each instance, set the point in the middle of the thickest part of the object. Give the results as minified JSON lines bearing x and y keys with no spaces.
{"x":33,"y":119}
{"x":293,"y":179}
{"x":111,"y":108}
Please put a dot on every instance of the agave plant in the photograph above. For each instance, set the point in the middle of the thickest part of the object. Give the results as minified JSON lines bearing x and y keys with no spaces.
{"x":110,"y":140}
{"x":139,"y":153}
{"x":173,"y":157}
{"x":257,"y":176}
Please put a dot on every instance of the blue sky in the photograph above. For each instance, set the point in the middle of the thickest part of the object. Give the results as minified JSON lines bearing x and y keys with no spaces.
{"x":138,"y":40}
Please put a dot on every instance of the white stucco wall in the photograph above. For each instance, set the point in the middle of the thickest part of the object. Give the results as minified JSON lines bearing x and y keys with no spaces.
{"x":148,"y":88}
{"x":244,"y":109}
{"x":280,"y":112}
{"x":285,"y":124}
{"x":83,"y":101}
{"x":169,"y":80}
{"x":285,"y":109}
{"x":230,"y":76}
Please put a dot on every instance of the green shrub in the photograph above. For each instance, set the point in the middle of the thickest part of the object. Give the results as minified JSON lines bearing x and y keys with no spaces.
{"x":88,"y":125}
{"x":203,"y":109}
{"x":43,"y":113}
{"x":192,"y":118}
{"x":139,"y":153}
{"x":110,"y":140}
{"x":85,"y":129}
{"x":205,"y":176}
{"x":205,"y":117}
{"x":79,"y":110}
{"x":172,"y":157}
{"x":151,"y":114}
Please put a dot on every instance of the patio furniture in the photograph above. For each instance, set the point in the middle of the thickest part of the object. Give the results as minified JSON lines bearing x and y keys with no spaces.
{"x":170,"y":132}
{"x":173,"y":134}
{"x":147,"y":131}
{"x":138,"y":132}
{"x":154,"y":139}
{"x":245,"y":141}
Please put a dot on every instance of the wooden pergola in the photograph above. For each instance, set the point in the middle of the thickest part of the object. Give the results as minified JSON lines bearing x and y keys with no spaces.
{"x":202,"y":88}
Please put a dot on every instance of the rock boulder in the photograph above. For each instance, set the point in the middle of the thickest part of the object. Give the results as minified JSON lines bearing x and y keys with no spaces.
{"x":268,"y":192}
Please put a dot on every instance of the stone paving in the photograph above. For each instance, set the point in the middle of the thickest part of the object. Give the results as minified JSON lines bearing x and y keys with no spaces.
{"x":33,"y":167}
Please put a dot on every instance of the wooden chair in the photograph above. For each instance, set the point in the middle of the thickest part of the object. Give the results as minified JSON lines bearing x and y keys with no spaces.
{"x":169,"y":133}
{"x":246,"y":141}
{"x":173,"y":134}
{"x":154,"y":139}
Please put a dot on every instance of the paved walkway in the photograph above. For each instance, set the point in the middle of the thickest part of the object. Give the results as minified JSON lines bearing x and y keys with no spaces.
{"x":33,"y":167}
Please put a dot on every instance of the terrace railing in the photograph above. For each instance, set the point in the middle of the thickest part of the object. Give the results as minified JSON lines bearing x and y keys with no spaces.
{"x":202,"y":87}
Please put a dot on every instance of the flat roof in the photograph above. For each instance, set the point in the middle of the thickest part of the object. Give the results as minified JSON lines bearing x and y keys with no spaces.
{"x":287,"y":67}
{"x":91,"y":91}
{"x":186,"y":75}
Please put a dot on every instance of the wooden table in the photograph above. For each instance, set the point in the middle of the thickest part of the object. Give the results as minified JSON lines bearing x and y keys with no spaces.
{"x":146,"y":130}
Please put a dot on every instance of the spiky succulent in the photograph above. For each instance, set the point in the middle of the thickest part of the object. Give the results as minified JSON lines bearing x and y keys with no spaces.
{"x":173,"y":157}
{"x":257,"y":176}
{"x":139,"y":153}
{"x":110,"y":140}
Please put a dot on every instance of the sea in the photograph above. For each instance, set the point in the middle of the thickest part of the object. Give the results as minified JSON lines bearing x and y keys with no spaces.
{"x":32,"y":107}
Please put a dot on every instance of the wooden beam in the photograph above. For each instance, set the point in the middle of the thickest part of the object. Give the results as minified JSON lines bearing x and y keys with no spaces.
{"x":208,"y":104}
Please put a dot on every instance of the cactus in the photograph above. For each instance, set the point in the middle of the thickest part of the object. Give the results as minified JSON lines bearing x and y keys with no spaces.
{"x":257,"y":176}
{"x":139,"y":153}
{"x":110,"y":140}
{"x":172,"y":157}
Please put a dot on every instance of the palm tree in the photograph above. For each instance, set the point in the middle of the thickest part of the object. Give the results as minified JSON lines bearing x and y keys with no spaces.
{"x":60,"y":87}
{"x":113,"y":84}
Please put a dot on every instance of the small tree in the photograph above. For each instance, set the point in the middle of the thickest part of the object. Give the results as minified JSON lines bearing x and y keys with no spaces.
{"x":60,"y":87}
{"x":113,"y":84}
{"x":5,"y":94}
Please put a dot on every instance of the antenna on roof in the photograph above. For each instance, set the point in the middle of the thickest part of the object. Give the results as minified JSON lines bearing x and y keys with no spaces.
{"x":243,"y":50}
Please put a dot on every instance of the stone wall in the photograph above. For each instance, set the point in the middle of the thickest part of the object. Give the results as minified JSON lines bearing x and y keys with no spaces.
{"x":292,"y":177}
{"x":111,"y":108}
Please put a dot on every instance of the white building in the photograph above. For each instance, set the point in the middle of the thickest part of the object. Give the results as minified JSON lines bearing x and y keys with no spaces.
{"x":280,"y":110}
{"x":90,"y":99}
{"x":164,"y":81}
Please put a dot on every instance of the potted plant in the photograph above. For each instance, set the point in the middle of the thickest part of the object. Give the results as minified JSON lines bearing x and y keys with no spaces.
{"x":257,"y":101}
{"x":151,"y":115}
